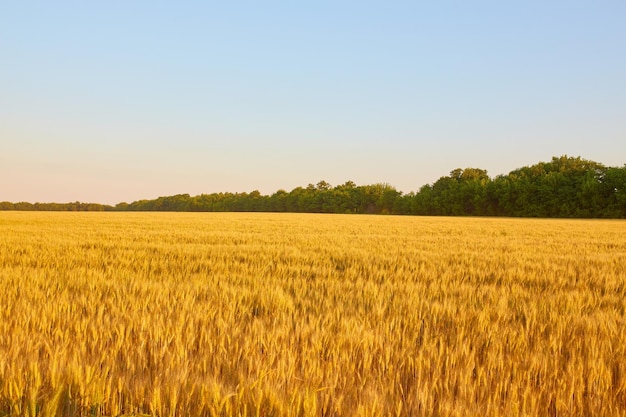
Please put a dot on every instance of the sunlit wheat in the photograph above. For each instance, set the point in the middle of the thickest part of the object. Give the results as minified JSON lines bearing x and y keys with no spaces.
{"x":227,"y":314}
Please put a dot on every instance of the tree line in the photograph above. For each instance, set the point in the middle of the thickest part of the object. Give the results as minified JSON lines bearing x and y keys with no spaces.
{"x":565,"y":187}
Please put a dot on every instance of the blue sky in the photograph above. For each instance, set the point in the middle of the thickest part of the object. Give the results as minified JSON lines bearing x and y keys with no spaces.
{"x":124,"y":100}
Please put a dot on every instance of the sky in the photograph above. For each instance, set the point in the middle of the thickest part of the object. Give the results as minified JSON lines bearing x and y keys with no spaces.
{"x":111,"y":101}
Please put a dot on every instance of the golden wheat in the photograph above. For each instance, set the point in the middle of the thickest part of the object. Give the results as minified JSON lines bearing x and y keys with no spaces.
{"x":310,"y":315}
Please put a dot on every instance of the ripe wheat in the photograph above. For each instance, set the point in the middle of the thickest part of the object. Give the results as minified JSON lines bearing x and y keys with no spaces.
{"x":186,"y":314}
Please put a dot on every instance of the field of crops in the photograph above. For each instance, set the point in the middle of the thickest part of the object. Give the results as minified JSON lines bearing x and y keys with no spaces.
{"x":229,"y":314}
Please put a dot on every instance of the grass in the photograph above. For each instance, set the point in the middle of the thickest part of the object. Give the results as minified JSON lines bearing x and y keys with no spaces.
{"x":310,"y":315}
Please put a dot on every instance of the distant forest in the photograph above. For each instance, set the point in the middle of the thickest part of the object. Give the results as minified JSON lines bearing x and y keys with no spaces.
{"x":565,"y":187}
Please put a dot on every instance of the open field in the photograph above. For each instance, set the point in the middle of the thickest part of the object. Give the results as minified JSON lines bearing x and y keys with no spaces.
{"x":310,"y":315}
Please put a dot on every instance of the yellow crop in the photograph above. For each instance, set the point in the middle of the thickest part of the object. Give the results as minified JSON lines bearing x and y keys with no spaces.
{"x":185,"y":314}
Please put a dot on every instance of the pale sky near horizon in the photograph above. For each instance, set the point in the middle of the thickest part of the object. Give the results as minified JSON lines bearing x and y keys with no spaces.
{"x":126,"y":100}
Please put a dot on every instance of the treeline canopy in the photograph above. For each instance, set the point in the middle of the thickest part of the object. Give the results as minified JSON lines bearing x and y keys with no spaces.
{"x":563,"y":187}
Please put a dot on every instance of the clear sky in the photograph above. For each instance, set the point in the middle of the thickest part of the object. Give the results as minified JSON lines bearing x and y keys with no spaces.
{"x":110,"y":101}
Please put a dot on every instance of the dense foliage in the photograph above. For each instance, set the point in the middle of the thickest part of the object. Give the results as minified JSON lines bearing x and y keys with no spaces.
{"x":563,"y":187}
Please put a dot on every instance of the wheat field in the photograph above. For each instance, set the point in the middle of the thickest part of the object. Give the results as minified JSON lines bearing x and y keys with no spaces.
{"x":224,"y":314}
